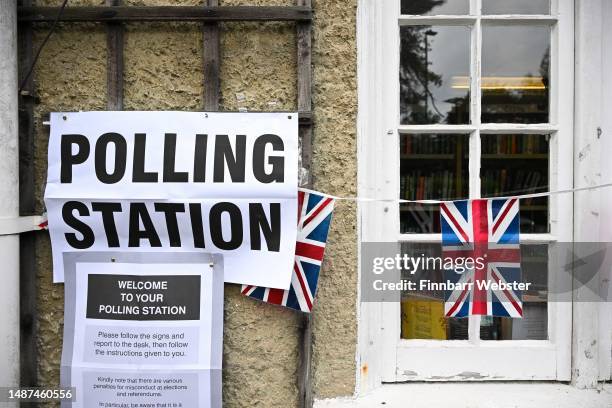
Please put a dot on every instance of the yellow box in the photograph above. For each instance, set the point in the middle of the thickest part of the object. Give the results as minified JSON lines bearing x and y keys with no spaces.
{"x":423,"y":319}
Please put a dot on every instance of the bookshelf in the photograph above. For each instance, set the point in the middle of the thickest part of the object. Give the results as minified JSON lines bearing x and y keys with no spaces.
{"x":432,"y":166}
{"x":518,"y":164}
{"x":518,"y":156}
{"x":435,"y":166}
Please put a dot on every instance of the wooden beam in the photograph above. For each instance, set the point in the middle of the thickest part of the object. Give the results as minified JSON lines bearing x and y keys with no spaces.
{"x":27,"y":206}
{"x":305,"y":369}
{"x":304,"y":62}
{"x":304,"y":90}
{"x":166,"y":13}
{"x":211,"y":61}
{"x":114,"y":69}
{"x":305,"y":118}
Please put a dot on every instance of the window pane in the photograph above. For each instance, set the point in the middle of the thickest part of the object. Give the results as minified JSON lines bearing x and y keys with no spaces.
{"x":518,"y":164}
{"x":430,"y":60}
{"x":515,"y":74}
{"x":534,"y":323}
{"x":515,"y":6}
{"x":422,"y":311}
{"x":431,"y":7}
{"x":431,"y":167}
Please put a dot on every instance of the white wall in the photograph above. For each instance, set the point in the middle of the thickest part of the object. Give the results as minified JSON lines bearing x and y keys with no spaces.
{"x":606,"y":195}
{"x":9,"y":197}
{"x":592,"y":166}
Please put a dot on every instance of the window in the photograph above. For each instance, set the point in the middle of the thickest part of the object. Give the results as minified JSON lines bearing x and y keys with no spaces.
{"x":474,"y":100}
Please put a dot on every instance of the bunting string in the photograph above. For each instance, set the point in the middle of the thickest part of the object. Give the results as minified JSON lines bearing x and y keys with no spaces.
{"x":519,"y":196}
{"x":18,"y":225}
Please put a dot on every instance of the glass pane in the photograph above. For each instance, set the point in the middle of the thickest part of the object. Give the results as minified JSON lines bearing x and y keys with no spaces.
{"x":431,"y":7}
{"x":518,"y":164}
{"x":431,"y":58}
{"x":422,"y":311}
{"x":515,"y":74}
{"x":431,"y":167}
{"x":534,"y":323}
{"x":515,"y":6}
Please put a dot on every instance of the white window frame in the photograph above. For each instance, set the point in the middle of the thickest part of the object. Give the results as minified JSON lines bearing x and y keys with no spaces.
{"x":383,"y":356}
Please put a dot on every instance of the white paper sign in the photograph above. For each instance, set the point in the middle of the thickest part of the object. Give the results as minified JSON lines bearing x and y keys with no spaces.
{"x":143,"y":331}
{"x":177,"y":181}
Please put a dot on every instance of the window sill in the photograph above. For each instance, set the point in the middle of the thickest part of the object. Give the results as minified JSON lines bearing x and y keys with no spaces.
{"x":477,"y":395}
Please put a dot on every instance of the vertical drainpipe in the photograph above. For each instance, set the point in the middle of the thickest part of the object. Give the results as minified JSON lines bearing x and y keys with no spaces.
{"x":9,"y":196}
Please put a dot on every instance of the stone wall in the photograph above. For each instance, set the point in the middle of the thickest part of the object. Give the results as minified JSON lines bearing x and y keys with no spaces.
{"x":163,"y":71}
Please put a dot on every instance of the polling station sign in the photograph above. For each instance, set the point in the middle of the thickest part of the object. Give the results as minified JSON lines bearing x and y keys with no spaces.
{"x":177,"y":182}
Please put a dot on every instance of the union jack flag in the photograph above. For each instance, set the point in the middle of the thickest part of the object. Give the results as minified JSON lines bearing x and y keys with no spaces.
{"x":487,"y":230}
{"x":314,"y":217}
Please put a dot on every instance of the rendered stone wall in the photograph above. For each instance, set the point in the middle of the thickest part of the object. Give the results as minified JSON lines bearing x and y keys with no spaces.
{"x":163,"y":71}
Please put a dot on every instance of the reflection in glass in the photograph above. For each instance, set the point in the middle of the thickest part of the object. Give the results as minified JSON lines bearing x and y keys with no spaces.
{"x":514,"y":165}
{"x":432,"y":7}
{"x":515,"y":6}
{"x":515,"y":74}
{"x":431,"y":56}
{"x":534,"y":323}
{"x":422,"y":311}
{"x":431,"y":167}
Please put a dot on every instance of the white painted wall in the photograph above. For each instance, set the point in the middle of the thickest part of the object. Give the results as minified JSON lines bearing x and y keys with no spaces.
{"x":592,"y":166}
{"x":476,"y":395}
{"x":605,"y":331}
{"x":9,"y":196}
